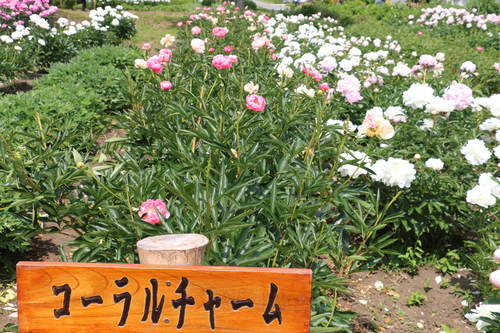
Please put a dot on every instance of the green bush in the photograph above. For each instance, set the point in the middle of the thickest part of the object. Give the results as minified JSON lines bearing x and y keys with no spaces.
{"x":104,"y":81}
{"x":484,"y":6}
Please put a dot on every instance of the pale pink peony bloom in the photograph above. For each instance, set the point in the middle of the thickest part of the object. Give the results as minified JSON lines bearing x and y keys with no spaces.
{"x":140,"y":63}
{"x":167,"y":40}
{"x":165,"y":85}
{"x":146,"y":47}
{"x":228,"y":49}
{"x":149,"y":208}
{"x":165,"y":55}
{"x":220,"y":32}
{"x":198,"y":45}
{"x":259,"y":42}
{"x":251,"y":88}
{"x":328,"y":64}
{"x":353,"y":97}
{"x":196,"y":30}
{"x":468,"y":66}
{"x":495,"y":278}
{"x":375,"y":124}
{"x":496,"y":255}
{"x":460,"y":94}
{"x":256,"y":102}
{"x":427,"y":61}
{"x":349,"y":83}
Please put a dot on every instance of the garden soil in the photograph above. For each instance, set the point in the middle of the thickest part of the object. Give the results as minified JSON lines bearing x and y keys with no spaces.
{"x":382,"y":309}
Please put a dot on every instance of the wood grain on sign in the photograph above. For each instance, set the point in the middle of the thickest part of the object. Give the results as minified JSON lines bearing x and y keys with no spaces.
{"x":85,"y":297}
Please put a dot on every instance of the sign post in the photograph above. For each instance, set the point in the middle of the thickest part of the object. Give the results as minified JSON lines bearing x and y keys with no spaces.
{"x":91,"y":297}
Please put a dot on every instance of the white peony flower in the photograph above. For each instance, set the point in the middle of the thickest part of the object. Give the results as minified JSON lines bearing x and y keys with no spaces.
{"x":394,"y":172}
{"x":468,"y":66}
{"x":481,"y":196}
{"x":476,"y":152}
{"x":438,"y":105}
{"x":395,"y":113}
{"x":487,"y":180}
{"x":491,"y":124}
{"x":434,"y":163}
{"x":418,"y":95}
{"x":353,"y":160}
{"x":482,"y":310}
{"x":401,"y":69}
{"x":350,"y":126}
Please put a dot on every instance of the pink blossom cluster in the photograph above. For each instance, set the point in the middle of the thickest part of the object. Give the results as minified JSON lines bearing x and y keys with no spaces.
{"x":157,"y":62}
{"x":13,"y":11}
{"x":315,"y":74}
{"x":221,"y":61}
{"x":259,"y":42}
{"x":455,"y":16}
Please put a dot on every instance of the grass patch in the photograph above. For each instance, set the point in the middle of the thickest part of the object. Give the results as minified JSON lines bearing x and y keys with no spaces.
{"x":152,"y":26}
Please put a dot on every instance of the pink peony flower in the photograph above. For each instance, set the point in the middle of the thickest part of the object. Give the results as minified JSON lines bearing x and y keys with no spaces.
{"x":165,"y":85}
{"x":149,"y":208}
{"x":196,"y":30}
{"x":480,"y":48}
{"x":211,"y":50}
{"x":353,"y":97}
{"x":220,"y":32}
{"x":259,"y":42}
{"x":427,"y":61}
{"x":228,"y":49}
{"x":165,"y":55}
{"x":221,"y":61}
{"x":348,"y":84}
{"x":460,"y":94}
{"x":155,"y":64}
{"x":146,"y":47}
{"x":495,"y":278}
{"x":256,"y":102}
{"x":324,"y":86}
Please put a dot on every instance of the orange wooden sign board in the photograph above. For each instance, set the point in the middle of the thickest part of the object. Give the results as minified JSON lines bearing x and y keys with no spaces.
{"x":87,"y":297}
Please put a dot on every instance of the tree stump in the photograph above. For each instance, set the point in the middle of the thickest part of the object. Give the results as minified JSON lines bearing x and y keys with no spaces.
{"x":175,"y":249}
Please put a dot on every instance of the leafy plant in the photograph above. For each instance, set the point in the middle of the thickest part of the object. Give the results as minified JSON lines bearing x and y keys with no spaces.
{"x":427,"y":286}
{"x":416,"y":299}
{"x":448,"y":264}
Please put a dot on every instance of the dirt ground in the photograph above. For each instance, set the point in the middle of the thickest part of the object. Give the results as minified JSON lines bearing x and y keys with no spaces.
{"x":382,"y":298}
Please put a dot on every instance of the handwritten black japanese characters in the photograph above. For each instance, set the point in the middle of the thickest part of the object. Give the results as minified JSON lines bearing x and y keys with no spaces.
{"x":155,"y":304}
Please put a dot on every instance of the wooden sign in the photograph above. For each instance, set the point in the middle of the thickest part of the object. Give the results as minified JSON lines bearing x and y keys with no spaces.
{"x":85,"y":297}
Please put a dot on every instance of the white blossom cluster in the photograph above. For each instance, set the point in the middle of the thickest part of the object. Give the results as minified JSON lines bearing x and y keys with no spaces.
{"x":67,"y":27}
